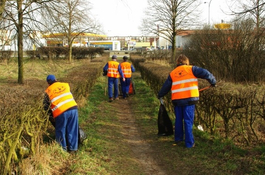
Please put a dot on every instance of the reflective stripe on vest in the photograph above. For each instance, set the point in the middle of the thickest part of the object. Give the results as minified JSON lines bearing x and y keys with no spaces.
{"x":61,"y":98}
{"x":126,"y":69}
{"x":61,"y":104}
{"x":184,"y":83}
{"x":113,"y":69}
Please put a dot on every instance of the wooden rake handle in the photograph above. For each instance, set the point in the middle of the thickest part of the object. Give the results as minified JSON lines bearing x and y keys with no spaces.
{"x":207,"y":87}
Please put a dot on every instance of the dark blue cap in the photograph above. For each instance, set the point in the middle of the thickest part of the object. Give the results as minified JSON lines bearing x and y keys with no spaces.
{"x":114,"y":57}
{"x":51,"y":78}
{"x":125,"y":58}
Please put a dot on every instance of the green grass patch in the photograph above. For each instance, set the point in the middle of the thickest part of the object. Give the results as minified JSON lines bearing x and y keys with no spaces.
{"x":104,"y":142}
{"x":212,"y":154}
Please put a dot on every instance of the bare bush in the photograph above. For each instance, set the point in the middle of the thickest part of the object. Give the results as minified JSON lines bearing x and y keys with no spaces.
{"x":232,"y":55}
{"x":233,"y":111}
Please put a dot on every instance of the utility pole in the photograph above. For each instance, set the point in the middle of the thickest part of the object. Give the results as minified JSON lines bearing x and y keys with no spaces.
{"x":209,"y":12}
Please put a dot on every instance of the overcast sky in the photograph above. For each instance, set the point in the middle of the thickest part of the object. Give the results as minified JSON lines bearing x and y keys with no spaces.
{"x":123,"y":17}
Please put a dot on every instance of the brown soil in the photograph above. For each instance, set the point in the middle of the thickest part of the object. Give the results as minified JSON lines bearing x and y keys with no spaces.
{"x":141,"y":149}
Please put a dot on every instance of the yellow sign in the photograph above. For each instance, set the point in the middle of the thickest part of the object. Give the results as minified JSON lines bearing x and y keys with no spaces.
{"x":100,"y":43}
{"x":222,"y":26}
{"x":142,"y":44}
{"x":56,"y":35}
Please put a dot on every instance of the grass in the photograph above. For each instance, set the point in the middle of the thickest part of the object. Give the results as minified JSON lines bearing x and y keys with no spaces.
{"x":37,"y":69}
{"x":106,"y":152}
{"x":105,"y":132}
{"x":212,"y":155}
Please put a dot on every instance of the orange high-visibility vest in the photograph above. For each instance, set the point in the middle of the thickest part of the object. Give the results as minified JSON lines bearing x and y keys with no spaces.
{"x":113,"y":69}
{"x":126,"y":69}
{"x":184,"y":83}
{"x":61,"y":98}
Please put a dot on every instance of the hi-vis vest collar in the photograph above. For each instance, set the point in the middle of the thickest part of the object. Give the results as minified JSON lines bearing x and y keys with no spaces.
{"x":61,"y":98}
{"x":184,"y":83}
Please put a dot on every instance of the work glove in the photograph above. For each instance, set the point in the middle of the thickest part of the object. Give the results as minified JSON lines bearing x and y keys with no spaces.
{"x":161,"y":100}
{"x":52,"y":120}
{"x":213,"y":85}
{"x":105,"y":73}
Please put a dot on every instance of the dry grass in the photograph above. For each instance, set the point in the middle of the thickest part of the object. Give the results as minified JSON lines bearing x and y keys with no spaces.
{"x":49,"y":160}
{"x":37,"y":70}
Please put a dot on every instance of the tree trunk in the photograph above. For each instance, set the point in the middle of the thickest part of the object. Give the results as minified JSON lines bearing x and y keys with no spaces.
{"x":20,"y":42}
{"x":2,"y":7}
{"x":174,"y":34}
{"x":70,"y":52}
{"x":174,"y":51}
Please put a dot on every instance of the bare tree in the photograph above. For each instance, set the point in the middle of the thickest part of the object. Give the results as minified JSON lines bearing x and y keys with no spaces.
{"x":2,"y":7}
{"x":165,"y":18}
{"x":248,"y":8}
{"x":18,"y":17}
{"x":71,"y":18}
{"x":230,"y":54}
{"x":254,"y":10}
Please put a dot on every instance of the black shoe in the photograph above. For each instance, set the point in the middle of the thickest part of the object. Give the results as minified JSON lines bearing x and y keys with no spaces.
{"x":192,"y":146}
{"x":178,"y":142}
{"x":73,"y":152}
{"x":175,"y":143}
{"x":110,"y":99}
{"x":161,"y":134}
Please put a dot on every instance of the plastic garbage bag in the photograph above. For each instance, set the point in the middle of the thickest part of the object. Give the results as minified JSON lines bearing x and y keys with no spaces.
{"x":165,"y":127}
{"x":81,"y":136}
{"x":200,"y":127}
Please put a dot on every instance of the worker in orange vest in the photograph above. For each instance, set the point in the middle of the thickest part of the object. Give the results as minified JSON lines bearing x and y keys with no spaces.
{"x":127,"y":69}
{"x":114,"y":72}
{"x":60,"y":103}
{"x":183,"y":84}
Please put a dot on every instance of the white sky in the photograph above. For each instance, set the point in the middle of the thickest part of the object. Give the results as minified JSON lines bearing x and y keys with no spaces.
{"x":218,"y":11}
{"x":123,"y":17}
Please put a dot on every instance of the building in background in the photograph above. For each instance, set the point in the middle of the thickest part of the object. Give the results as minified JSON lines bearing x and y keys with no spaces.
{"x":107,"y":45}
{"x":37,"y":39}
{"x":81,"y":39}
{"x":135,"y":42}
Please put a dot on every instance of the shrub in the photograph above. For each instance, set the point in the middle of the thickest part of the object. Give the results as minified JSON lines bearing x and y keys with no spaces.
{"x":234,"y":111}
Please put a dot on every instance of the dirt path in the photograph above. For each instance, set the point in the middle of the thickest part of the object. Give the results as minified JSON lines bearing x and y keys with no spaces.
{"x":142,"y":150}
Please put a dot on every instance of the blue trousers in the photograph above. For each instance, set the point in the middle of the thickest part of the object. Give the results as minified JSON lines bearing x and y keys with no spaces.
{"x":186,"y":114}
{"x":125,"y":86}
{"x":111,"y":82}
{"x":66,"y":130}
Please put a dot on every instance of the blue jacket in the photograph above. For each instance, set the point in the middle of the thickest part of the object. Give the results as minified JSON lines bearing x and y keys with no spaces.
{"x":133,"y":69}
{"x":197,"y":72}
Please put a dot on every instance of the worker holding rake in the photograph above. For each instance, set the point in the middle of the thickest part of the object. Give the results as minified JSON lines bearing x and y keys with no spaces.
{"x":183,"y":83}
